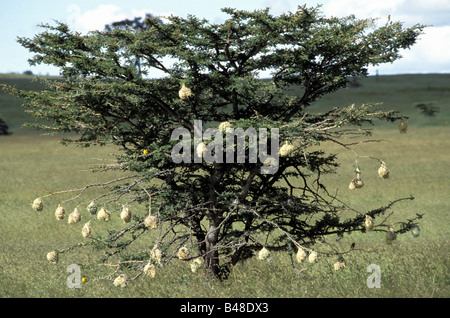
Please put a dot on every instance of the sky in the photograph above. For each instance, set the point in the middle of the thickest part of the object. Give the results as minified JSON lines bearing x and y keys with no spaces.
{"x":20,"y":18}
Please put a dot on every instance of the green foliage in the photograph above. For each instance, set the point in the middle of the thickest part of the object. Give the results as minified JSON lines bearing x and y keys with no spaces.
{"x":3,"y":127}
{"x":223,"y":211}
{"x":428,"y":109}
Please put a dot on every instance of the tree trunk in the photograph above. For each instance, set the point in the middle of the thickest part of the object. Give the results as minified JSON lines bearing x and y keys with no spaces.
{"x":3,"y":128}
{"x":212,"y":264}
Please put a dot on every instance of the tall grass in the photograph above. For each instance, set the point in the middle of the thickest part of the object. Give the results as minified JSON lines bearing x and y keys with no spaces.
{"x":31,"y":164}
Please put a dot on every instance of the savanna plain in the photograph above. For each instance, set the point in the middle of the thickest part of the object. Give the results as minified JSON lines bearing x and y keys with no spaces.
{"x":33,"y":164}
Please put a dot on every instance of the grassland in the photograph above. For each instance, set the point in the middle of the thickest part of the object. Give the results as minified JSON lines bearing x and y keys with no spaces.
{"x":411,"y":267}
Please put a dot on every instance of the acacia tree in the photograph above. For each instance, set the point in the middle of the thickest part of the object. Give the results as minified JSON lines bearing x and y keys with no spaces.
{"x":216,"y":213}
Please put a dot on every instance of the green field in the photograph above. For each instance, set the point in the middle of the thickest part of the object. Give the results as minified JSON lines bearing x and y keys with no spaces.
{"x":419,"y":161}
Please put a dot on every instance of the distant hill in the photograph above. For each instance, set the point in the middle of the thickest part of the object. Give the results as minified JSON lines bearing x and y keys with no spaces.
{"x":10,"y":106}
{"x":399,"y":92}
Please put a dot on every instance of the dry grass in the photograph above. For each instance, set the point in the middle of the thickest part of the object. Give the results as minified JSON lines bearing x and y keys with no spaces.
{"x":411,"y":267}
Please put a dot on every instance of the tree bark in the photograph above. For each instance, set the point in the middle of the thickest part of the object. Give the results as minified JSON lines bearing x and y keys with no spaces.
{"x":212,"y":263}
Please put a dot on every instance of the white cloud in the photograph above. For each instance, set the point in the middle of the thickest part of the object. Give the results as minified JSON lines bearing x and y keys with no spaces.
{"x":430,"y":53}
{"x":366,"y":9}
{"x":430,"y":12}
{"x":94,"y":19}
{"x":104,"y":14}
{"x":278,"y":7}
